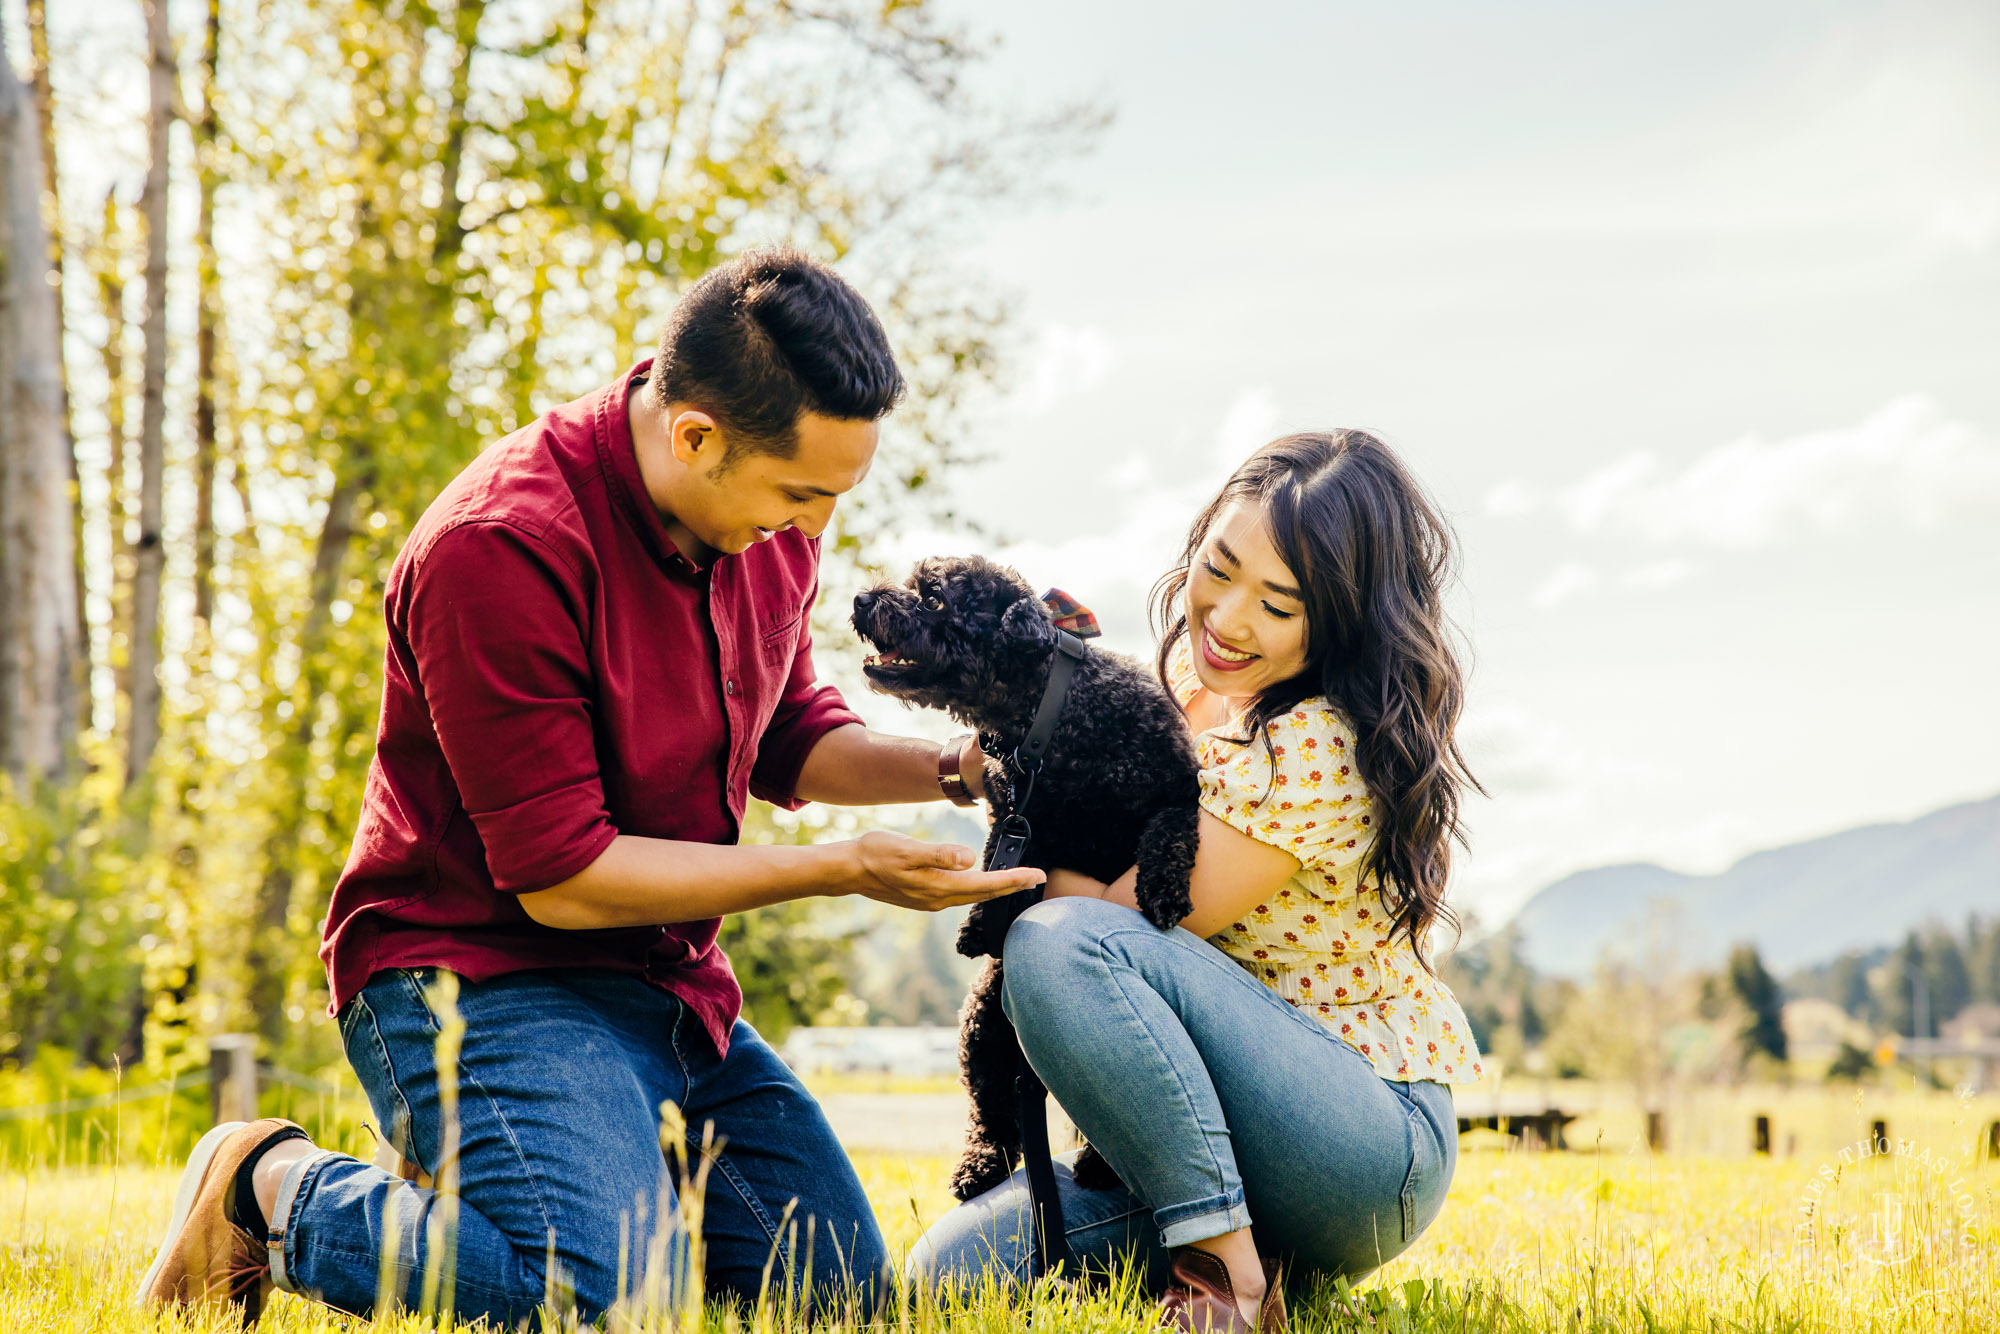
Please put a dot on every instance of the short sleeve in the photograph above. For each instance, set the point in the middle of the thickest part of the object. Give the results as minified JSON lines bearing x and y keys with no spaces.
{"x":1305,"y":796}
{"x":495,"y":621}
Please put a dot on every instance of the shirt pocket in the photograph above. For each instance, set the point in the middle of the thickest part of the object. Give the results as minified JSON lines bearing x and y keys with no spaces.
{"x":783,"y":631}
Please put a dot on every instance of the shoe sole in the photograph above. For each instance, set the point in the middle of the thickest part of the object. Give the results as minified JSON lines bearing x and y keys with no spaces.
{"x":191,"y":1179}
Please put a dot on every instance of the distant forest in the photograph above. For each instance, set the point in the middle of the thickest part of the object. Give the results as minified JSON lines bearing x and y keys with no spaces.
{"x":1626,"y":1023}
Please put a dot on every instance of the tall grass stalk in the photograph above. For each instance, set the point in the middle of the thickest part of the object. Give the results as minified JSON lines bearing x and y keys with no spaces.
{"x":441,"y":1241}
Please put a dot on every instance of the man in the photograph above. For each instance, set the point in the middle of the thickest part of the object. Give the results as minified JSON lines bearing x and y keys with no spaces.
{"x":599,"y":643}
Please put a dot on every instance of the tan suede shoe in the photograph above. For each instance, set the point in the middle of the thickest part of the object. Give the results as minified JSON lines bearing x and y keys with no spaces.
{"x":1202,"y":1301}
{"x":205,"y":1258}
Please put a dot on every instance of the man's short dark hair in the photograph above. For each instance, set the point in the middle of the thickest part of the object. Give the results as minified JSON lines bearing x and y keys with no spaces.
{"x":770,"y":335}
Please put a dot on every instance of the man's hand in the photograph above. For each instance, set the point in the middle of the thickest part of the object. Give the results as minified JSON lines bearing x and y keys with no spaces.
{"x":890,"y":868}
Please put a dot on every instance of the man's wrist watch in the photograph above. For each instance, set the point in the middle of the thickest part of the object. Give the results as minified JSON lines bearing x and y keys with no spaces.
{"x":950,"y":777}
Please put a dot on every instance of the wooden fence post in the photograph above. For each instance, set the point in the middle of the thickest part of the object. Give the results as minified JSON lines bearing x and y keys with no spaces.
{"x":1656,"y":1131}
{"x":232,"y":1077}
{"x":1993,"y":1141}
{"x":1761,"y":1136}
{"x":1878,"y":1131}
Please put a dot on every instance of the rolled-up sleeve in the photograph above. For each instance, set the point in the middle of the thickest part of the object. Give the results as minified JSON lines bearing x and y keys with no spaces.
{"x":496,"y":622}
{"x":807,"y":711}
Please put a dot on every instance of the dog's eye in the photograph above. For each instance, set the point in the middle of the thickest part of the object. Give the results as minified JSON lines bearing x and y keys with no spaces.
{"x":933,"y":603}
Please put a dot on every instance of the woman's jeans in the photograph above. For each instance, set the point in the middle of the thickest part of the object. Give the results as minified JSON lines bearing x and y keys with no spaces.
{"x":1219,"y":1104}
{"x":560,"y":1080}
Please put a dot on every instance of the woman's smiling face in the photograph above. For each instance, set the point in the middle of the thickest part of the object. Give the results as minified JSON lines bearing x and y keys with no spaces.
{"x":1246,"y":620}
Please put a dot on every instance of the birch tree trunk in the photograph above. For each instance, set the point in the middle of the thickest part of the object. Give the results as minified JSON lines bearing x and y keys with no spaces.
{"x":106,"y":262}
{"x":45,"y":106}
{"x":204,"y":393}
{"x":152,"y":551}
{"x":39,"y":636}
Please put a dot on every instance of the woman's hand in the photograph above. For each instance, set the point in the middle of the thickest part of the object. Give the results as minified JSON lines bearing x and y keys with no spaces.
{"x":1233,"y":873}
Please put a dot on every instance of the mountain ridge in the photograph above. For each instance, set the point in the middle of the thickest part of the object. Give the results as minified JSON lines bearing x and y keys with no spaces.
{"x":1800,"y":904}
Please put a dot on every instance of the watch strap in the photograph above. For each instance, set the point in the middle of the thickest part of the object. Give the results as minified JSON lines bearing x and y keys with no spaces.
{"x":950,"y":777}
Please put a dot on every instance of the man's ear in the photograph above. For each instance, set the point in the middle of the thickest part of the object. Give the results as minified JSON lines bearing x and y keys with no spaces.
{"x":692,"y":434}
{"x":1025,"y":628}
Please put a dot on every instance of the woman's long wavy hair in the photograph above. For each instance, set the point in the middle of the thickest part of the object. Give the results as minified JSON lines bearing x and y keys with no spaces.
{"x":1372,"y":555}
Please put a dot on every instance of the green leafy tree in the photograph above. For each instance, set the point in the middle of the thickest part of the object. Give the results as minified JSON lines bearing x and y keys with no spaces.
{"x":1847,"y":986}
{"x":423,"y":223}
{"x":1896,"y":995}
{"x":1946,"y":975}
{"x":1762,"y":1002}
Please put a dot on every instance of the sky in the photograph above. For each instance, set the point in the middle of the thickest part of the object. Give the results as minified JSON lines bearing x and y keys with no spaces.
{"x":1689,"y":315}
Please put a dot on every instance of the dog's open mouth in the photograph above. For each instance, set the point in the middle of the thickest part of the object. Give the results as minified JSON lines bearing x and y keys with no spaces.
{"x":888,"y":662}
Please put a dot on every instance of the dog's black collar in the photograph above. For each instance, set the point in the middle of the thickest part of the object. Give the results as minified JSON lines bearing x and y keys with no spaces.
{"x":1026,"y":761}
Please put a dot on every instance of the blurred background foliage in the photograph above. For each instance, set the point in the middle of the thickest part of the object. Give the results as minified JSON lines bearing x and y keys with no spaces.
{"x":344,"y":247}
{"x":339,"y":247}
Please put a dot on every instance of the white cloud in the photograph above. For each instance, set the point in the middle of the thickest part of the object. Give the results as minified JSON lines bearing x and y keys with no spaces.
{"x":1907,"y":462}
{"x":1660,"y":574}
{"x":1249,"y":423}
{"x":1565,"y":582}
{"x":1067,"y":361}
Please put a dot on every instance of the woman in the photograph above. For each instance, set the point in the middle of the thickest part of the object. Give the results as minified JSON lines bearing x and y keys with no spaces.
{"x":1271,"y":1079}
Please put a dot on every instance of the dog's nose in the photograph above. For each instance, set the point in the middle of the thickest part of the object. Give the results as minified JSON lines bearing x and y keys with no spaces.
{"x":863,"y":601}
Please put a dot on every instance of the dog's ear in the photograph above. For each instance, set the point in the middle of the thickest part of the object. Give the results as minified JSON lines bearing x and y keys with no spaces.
{"x":1025,"y":628}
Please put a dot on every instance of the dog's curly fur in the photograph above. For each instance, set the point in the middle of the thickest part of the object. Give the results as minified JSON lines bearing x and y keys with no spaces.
{"x":1118,"y":787}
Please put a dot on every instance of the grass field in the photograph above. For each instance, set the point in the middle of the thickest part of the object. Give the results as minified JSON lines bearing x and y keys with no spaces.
{"x":1607,"y":1238}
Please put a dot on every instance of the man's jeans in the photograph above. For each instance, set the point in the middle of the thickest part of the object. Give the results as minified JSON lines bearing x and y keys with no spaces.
{"x":1220,"y":1106}
{"x":560,"y":1082}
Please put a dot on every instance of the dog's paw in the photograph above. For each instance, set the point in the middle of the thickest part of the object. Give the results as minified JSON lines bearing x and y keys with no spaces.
{"x":1093,"y":1171}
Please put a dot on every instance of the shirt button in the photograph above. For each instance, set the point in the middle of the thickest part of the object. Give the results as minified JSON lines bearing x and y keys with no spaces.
{"x":729,"y":687}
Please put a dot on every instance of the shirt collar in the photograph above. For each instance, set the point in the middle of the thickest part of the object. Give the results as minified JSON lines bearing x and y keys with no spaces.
{"x":616,"y":451}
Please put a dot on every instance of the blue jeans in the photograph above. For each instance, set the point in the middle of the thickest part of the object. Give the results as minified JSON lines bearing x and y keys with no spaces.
{"x":1220,"y":1105}
{"x":561,"y":1076}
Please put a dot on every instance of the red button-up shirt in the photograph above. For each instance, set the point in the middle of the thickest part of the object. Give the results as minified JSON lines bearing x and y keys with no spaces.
{"x":558,"y":674}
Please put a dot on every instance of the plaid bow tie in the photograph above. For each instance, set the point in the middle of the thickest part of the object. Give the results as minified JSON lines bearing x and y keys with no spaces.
{"x":1071,"y":615}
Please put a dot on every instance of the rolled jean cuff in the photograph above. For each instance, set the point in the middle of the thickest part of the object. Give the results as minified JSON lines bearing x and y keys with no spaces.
{"x":289,"y":1204}
{"x":1199,"y":1220}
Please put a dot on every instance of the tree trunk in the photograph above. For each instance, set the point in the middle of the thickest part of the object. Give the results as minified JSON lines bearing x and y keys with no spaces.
{"x":354,"y":476}
{"x":204,"y":392}
{"x":152,"y":423}
{"x":45,"y":103}
{"x":107,"y":263}
{"x":38,"y":631}
{"x":269,"y":952}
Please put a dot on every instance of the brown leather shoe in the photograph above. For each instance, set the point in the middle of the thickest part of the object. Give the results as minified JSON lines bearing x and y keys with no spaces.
{"x":1201,"y":1300}
{"x":205,"y":1258}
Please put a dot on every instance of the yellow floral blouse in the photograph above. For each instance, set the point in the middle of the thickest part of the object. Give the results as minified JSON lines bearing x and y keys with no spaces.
{"x":1321,"y":942}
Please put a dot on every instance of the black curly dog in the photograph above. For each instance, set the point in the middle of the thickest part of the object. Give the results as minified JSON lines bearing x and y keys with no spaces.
{"x":1118,"y":787}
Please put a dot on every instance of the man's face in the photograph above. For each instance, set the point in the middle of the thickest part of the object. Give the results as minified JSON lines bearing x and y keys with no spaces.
{"x":741,"y":501}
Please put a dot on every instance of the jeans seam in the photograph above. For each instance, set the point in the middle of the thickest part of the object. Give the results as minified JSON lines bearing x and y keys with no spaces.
{"x":1112,"y":972}
{"x":729,"y":1173}
{"x":1214,"y":957}
{"x":1100,"y":1222}
{"x":748,"y":1196}
{"x":381,"y":1051}
{"x":1411,"y":1119}
{"x":506,"y":1127}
